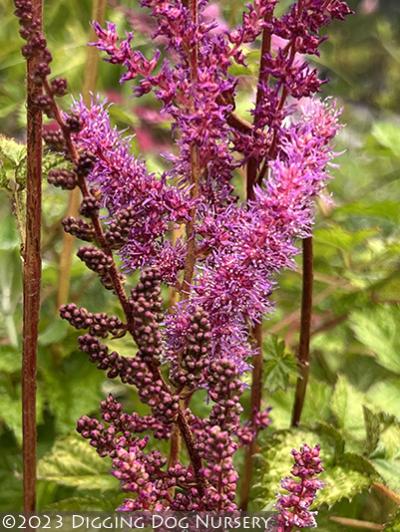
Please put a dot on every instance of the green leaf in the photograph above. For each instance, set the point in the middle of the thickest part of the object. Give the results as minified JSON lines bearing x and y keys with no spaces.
{"x":86,"y":503}
{"x":389,"y":470}
{"x":347,"y":408}
{"x":379,"y":330}
{"x":385,"y":396}
{"x":55,"y":332}
{"x":10,"y":360}
{"x":387,"y":135}
{"x":73,"y":462}
{"x":71,"y":389}
{"x":331,"y":433}
{"x":373,"y":429}
{"x":279,"y":364}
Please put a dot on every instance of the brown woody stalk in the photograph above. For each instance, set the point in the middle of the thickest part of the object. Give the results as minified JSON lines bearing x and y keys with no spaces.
{"x":305,"y":331}
{"x":89,"y":86}
{"x":31,"y":278}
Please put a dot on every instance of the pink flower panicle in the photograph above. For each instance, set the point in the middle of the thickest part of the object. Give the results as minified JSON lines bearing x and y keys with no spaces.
{"x":203,"y":341}
{"x":294,"y":506}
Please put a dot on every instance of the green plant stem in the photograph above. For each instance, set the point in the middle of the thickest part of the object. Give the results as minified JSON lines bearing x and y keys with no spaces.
{"x":89,"y":86}
{"x":31,"y":279}
{"x":305,"y":331}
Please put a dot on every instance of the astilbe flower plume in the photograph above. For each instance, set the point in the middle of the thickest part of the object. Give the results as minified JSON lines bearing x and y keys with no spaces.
{"x":301,"y":489}
{"x":225,"y":267}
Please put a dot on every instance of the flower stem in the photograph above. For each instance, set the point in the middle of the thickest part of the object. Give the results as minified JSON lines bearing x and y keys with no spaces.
{"x":190,"y":261}
{"x":305,"y":331}
{"x":89,"y":86}
{"x":31,"y":278}
{"x":256,"y":385}
{"x":255,"y":406}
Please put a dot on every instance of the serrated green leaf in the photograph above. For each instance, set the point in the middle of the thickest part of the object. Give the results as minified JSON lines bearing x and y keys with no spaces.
{"x":72,"y":462}
{"x":341,"y":483}
{"x":55,"y":332}
{"x":10,"y":359}
{"x":11,"y":150}
{"x":87,"y":503}
{"x":279,"y":364}
{"x":63,"y":387}
{"x":385,"y":396}
{"x":331,"y":433}
{"x":346,"y":406}
{"x":389,"y":470}
{"x":379,"y":330}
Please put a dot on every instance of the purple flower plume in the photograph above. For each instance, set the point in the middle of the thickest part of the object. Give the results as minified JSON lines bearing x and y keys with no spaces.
{"x":232,"y":250}
{"x":301,"y":490}
{"x":127,"y":188}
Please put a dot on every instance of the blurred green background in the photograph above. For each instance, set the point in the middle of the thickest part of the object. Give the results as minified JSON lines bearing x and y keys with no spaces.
{"x":353,"y":399}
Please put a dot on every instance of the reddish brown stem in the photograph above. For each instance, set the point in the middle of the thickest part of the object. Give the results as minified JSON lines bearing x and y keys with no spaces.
{"x":255,"y":406}
{"x":31,"y":279}
{"x":305,"y":331}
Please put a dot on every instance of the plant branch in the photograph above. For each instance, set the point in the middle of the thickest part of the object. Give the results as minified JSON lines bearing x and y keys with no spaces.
{"x":305,"y":331}
{"x":255,"y":406}
{"x":191,"y":252}
{"x":395,"y":497}
{"x":120,"y":292}
{"x":356,"y":523}
{"x":89,"y":86}
{"x":31,"y":277}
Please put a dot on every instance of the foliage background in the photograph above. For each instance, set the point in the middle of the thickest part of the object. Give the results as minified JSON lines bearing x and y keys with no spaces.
{"x":353,"y":399}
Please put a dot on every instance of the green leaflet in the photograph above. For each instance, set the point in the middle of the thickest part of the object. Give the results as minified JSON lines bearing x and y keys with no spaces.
{"x":72,"y":462}
{"x":71,"y":389}
{"x":385,"y":396}
{"x":347,"y":408}
{"x":379,"y":330}
{"x":279,"y":364}
{"x":107,"y":502}
{"x":387,"y":135}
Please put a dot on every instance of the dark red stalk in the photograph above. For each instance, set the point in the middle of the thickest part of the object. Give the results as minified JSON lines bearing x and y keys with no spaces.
{"x":31,"y":279}
{"x":305,"y":331}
